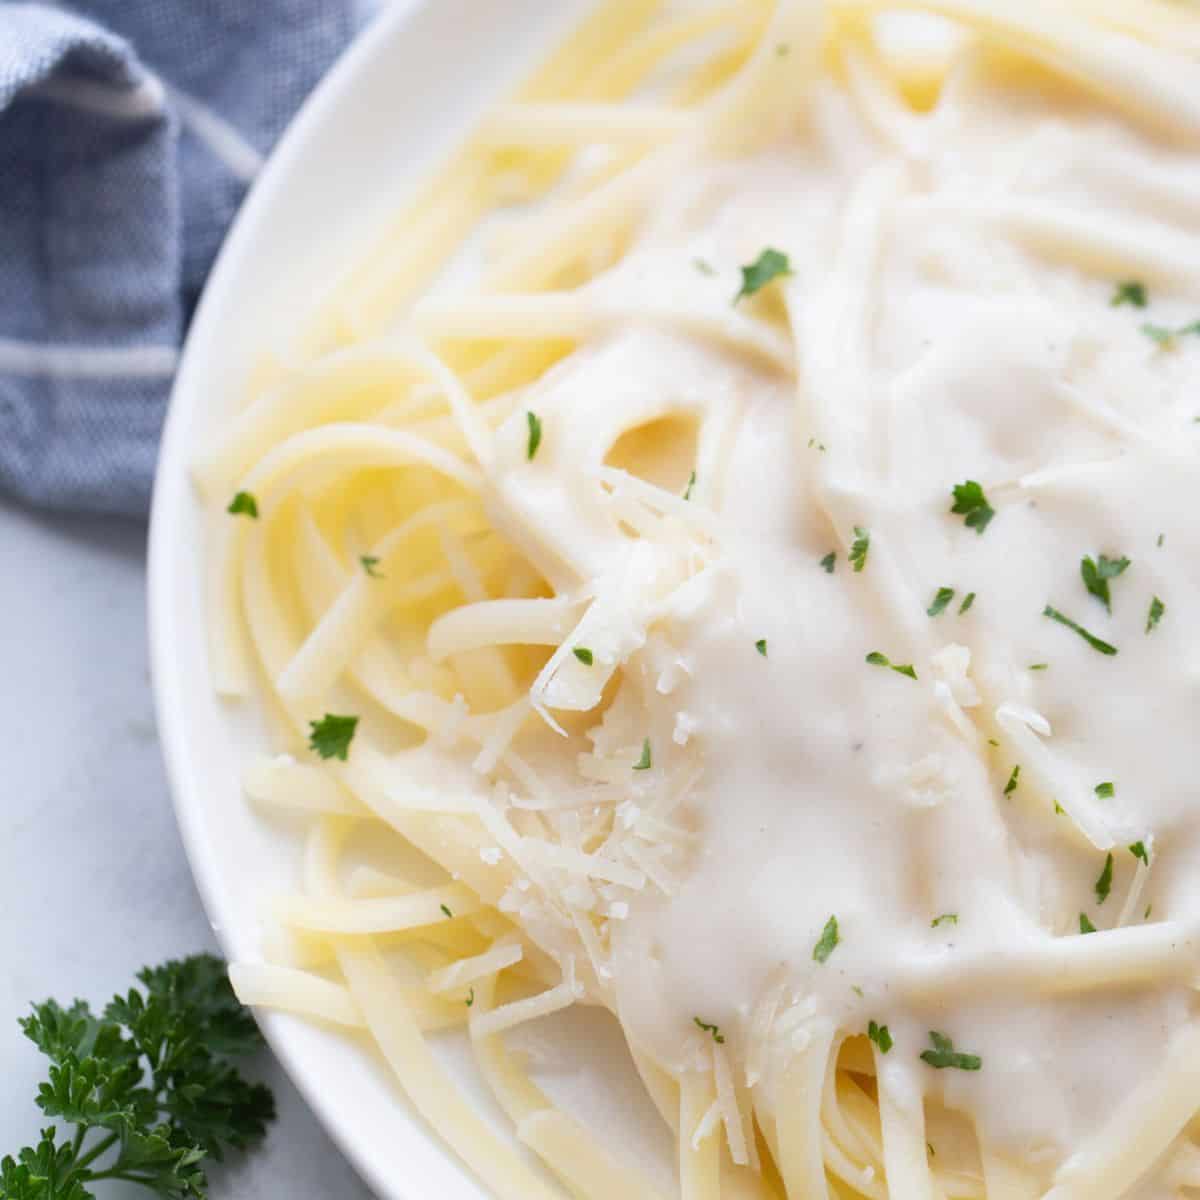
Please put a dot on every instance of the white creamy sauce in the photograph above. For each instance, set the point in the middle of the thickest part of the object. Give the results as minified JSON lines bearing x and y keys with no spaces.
{"x":833,"y":787}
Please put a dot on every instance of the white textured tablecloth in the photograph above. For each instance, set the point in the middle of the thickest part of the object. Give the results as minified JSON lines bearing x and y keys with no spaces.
{"x":93,"y":881}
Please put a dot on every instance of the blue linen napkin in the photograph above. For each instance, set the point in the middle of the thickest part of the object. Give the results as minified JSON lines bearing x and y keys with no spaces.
{"x":129,"y":132}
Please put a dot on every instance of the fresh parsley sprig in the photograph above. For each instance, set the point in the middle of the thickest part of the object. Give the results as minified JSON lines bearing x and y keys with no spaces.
{"x":149,"y":1086}
{"x":971,"y":504}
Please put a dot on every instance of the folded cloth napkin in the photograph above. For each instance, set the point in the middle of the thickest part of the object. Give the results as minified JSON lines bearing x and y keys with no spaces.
{"x":129,"y":131}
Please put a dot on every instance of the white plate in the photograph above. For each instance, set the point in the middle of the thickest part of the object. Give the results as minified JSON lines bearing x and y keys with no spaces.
{"x":395,"y":102}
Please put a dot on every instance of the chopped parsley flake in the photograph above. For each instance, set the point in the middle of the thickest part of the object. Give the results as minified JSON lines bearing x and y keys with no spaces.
{"x":859,"y":548}
{"x":643,"y":763}
{"x":691,"y":483}
{"x":857,"y":990}
{"x":761,"y":646}
{"x":1104,"y":883}
{"x":331,"y":736}
{"x":1105,"y":790}
{"x":1149,"y":910}
{"x":1157,"y":608}
{"x":940,"y":600}
{"x":829,"y":939}
{"x":1091,"y":639}
{"x":944,"y":1055}
{"x":447,"y":911}
{"x":243,"y":505}
{"x":770,"y":264}
{"x":1164,"y":338}
{"x":535,"y":434}
{"x":944,"y":919}
{"x":1131,"y":292}
{"x":813,"y":444}
{"x":717,"y":1035}
{"x":971,"y":503}
{"x":1011,"y":785}
{"x":703,"y":266}
{"x":1097,"y":574}
{"x":470,"y":998}
{"x":877,"y":659}
{"x":968,"y":600}
{"x":584,"y":655}
{"x":369,"y":563}
{"x":1085,"y":924}
{"x":1161,"y":538}
{"x":1058,"y":809}
{"x":1138,"y":850}
{"x":1039,"y":666}
{"x":880,"y":1035}
{"x":829,"y":561}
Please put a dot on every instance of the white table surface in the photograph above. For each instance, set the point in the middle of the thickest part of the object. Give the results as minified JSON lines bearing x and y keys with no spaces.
{"x":93,"y":880}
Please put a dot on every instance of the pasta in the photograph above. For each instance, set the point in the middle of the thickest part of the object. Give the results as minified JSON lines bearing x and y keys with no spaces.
{"x":757,"y":604}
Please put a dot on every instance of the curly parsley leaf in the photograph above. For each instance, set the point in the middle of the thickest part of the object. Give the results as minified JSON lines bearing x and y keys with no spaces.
{"x":644,"y":763}
{"x":584,"y":655}
{"x":330,"y":737}
{"x":972,"y":504}
{"x":1131,"y":292}
{"x":1091,"y":639}
{"x":1105,"y":790}
{"x":535,"y":434}
{"x":769,"y":265}
{"x":243,"y":505}
{"x":944,"y":1055}
{"x":1085,"y":924}
{"x":880,"y":1035}
{"x":1097,"y":573}
{"x":829,"y":562}
{"x":827,"y":941}
{"x":1157,"y":608}
{"x":943,"y":597}
{"x":859,"y":548}
{"x":878,"y":659}
{"x":150,"y":1088}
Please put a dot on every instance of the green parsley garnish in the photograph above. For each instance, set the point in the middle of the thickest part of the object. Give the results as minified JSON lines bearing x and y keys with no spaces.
{"x":691,"y":483}
{"x":859,"y":548}
{"x":1097,"y":574}
{"x":1091,"y":639}
{"x":584,"y":655}
{"x":703,"y":266}
{"x":331,"y":736}
{"x":1104,"y":790}
{"x":1130,"y":292}
{"x":971,"y":503}
{"x":770,"y":264}
{"x":1085,"y":924}
{"x":880,"y":1035}
{"x":1059,"y":811}
{"x":968,"y":600}
{"x":943,"y":597}
{"x":1011,"y":785}
{"x":1149,"y":910}
{"x":761,"y":646}
{"x":369,"y":563}
{"x":813,"y":444}
{"x":1103,"y":885}
{"x":535,"y":434}
{"x":877,"y":659}
{"x":643,"y":763}
{"x":829,"y":938}
{"x":1138,"y":850}
{"x":1039,"y":666}
{"x":829,"y":561}
{"x":470,"y":998}
{"x":944,"y":1055}
{"x":1164,"y":338}
{"x":243,"y":505}
{"x":717,"y":1035}
{"x":447,"y":911}
{"x":150,"y":1087}
{"x":944,"y":919}
{"x":1157,"y":608}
